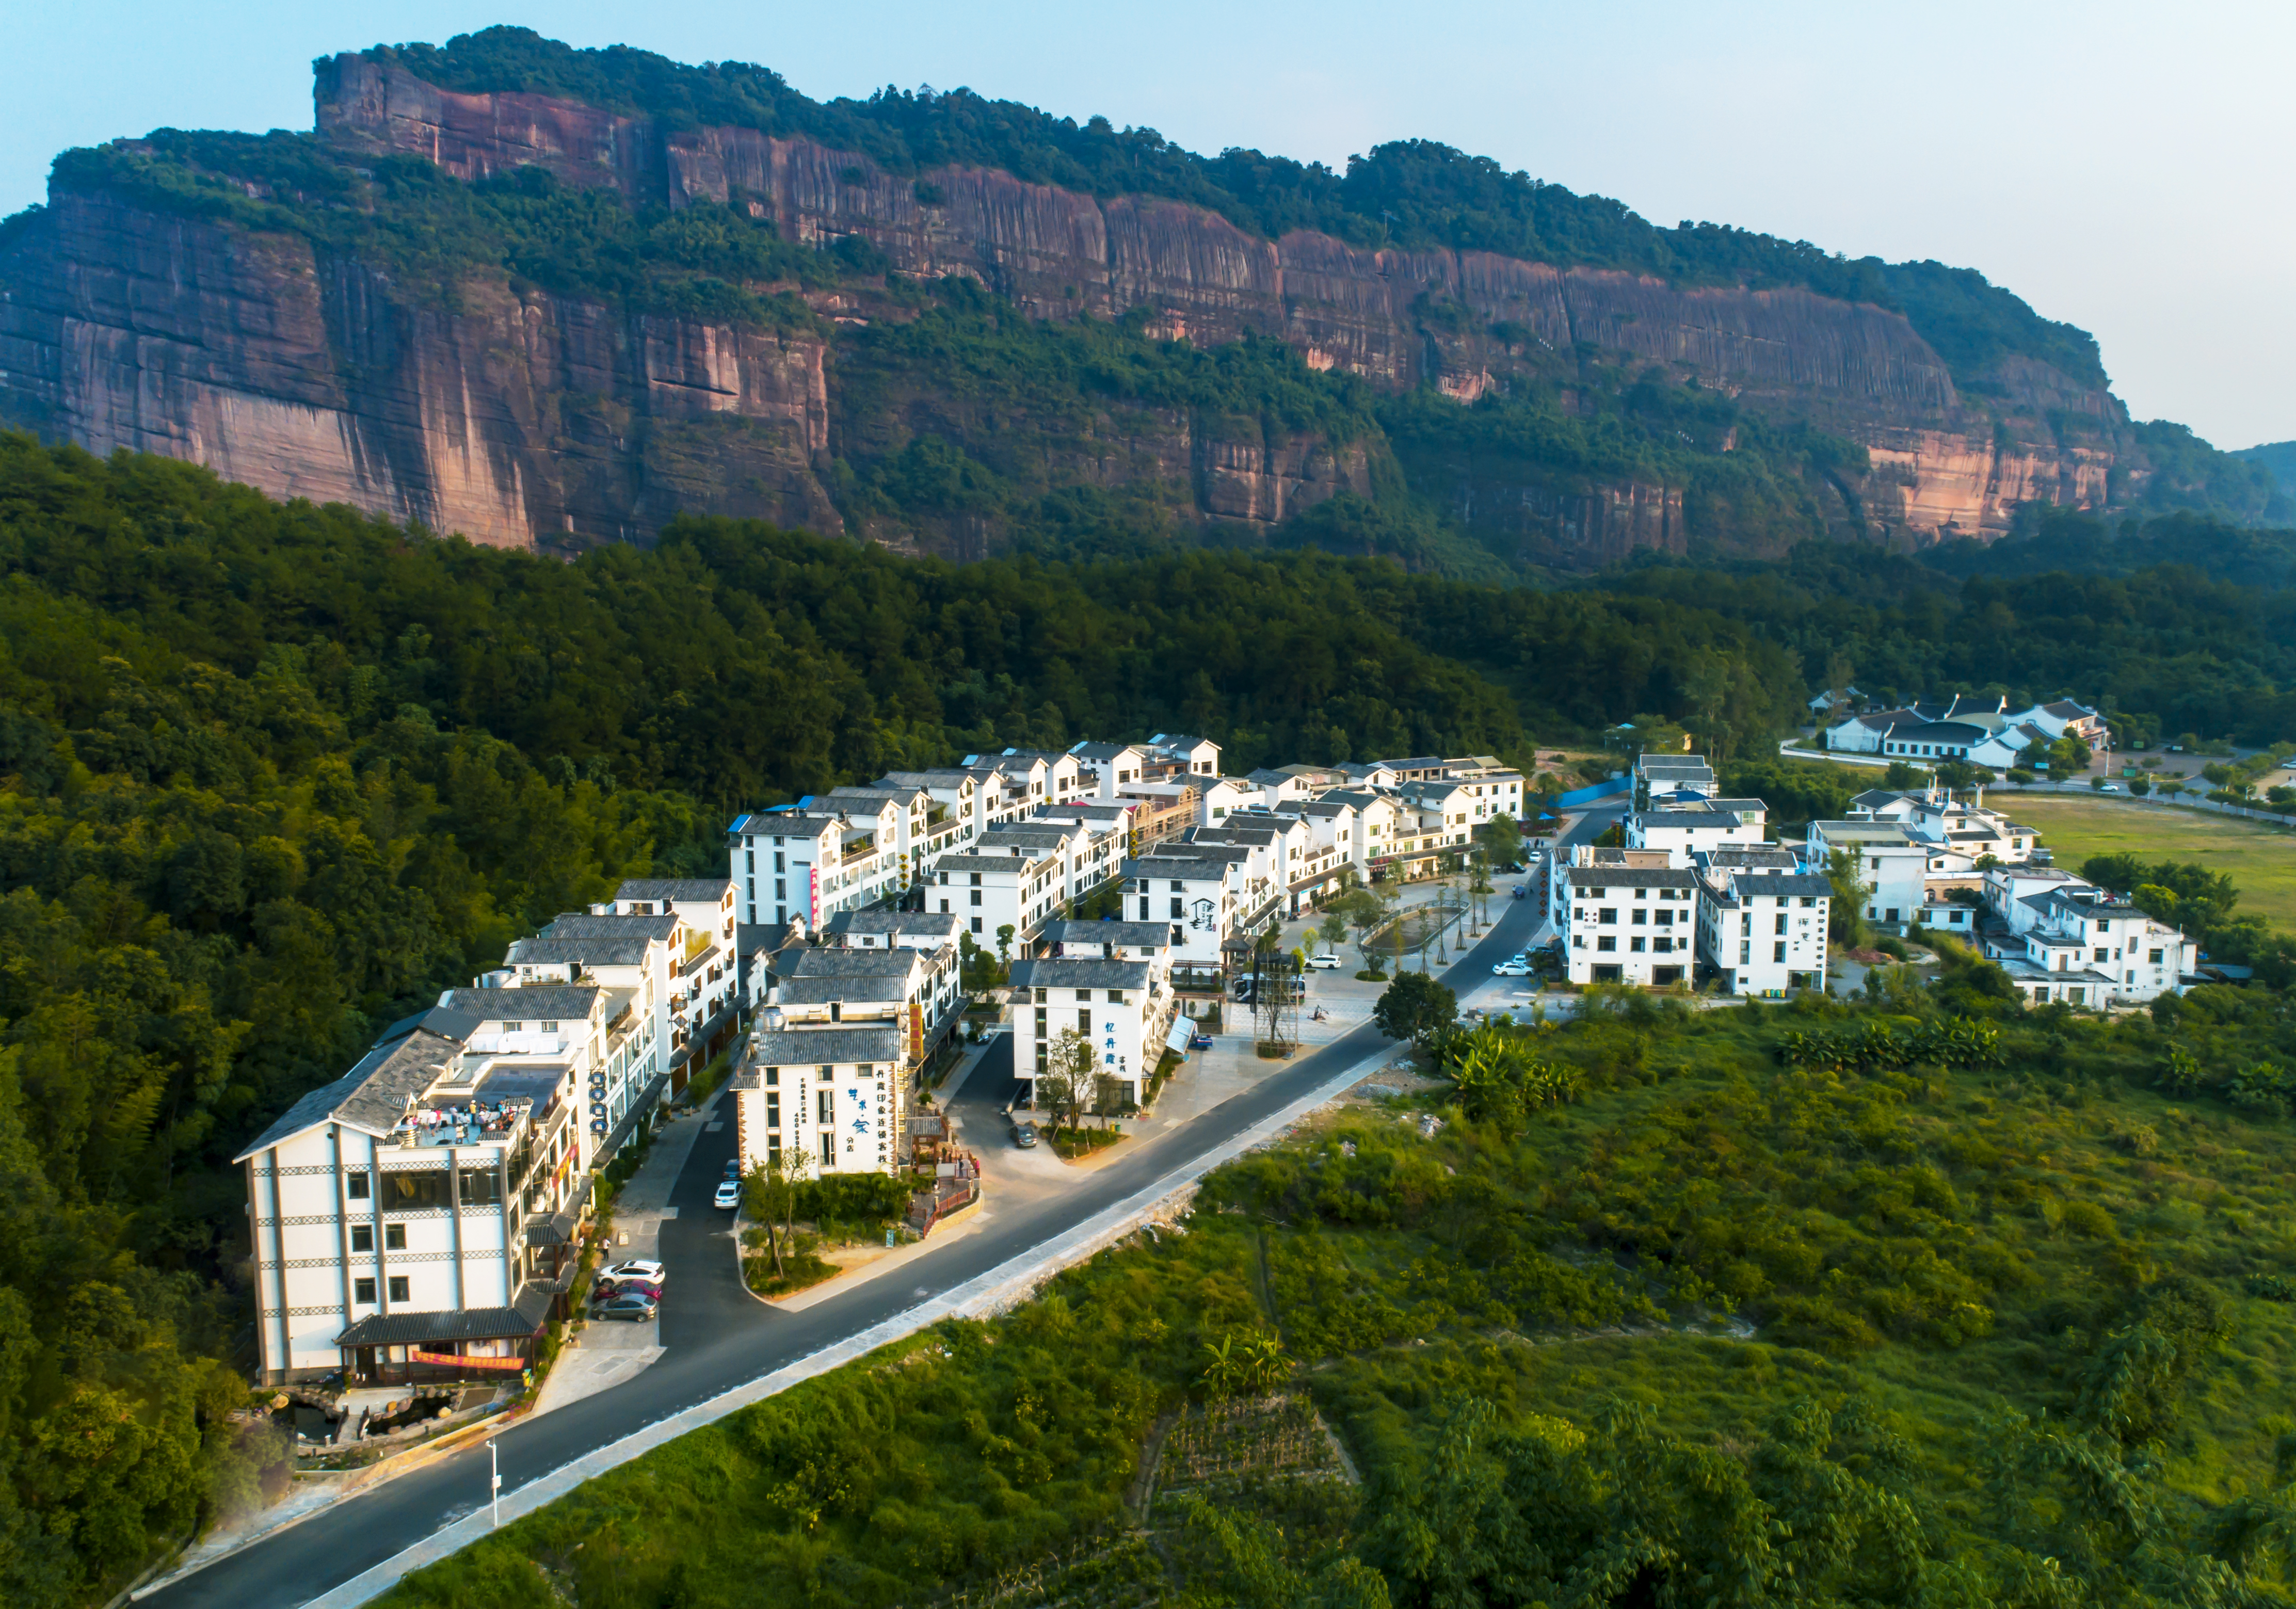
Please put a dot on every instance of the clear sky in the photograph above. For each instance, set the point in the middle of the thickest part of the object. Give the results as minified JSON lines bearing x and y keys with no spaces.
{"x":2123,"y":167}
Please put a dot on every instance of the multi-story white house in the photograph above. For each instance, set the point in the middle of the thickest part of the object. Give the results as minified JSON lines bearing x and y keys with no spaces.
{"x":1762,"y":930}
{"x":1662,"y":775}
{"x":1107,"y":769}
{"x":1122,"y":1009}
{"x":1629,"y":923}
{"x":1892,"y":865}
{"x":831,"y":1069}
{"x":634,"y":970}
{"x":2062,"y":939}
{"x":1009,"y":887}
{"x":412,"y":1219}
{"x":1683,"y":829}
{"x":1197,"y":897}
{"x":705,"y":983}
{"x":1196,"y":757}
{"x":1105,"y":940}
{"x":823,"y":1099}
{"x":807,"y":864}
{"x":1947,"y":824}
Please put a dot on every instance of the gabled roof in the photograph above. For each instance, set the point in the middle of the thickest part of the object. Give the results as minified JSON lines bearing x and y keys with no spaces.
{"x":989,"y":863}
{"x":525,"y":1316}
{"x":708,"y":890}
{"x":816,"y":1046}
{"x":373,"y":1096}
{"x":552,"y":1002}
{"x":581,"y":924}
{"x":594,"y":950}
{"x":1080,"y":973}
{"x":1134,"y":935}
{"x":811,"y":963}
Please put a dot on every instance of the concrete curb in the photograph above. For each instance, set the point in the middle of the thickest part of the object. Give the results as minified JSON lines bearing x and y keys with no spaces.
{"x":996,"y":1292}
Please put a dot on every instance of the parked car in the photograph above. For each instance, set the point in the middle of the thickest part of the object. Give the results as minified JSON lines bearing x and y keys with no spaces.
{"x":1243,"y":992}
{"x":629,"y":1305}
{"x":1522,"y":890}
{"x":652,"y":1273}
{"x":732,"y":1167}
{"x":605,"y":1288}
{"x":1024,"y":1133}
{"x":1199,"y":1041}
{"x":2111,"y":787}
{"x":1324,"y":964}
{"x":729,"y":1194}
{"x":1515,"y":968}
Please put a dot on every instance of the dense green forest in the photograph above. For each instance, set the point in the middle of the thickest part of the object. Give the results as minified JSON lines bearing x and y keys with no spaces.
{"x":2171,"y":625}
{"x":270,"y":773}
{"x":1922,"y":1300}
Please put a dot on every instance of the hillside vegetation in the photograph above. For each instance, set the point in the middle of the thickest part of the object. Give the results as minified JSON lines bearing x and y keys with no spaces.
{"x":1923,"y":1301}
{"x":271,"y":773}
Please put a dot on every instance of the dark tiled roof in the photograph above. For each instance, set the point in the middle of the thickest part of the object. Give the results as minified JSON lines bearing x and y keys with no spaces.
{"x":1076,"y":932}
{"x":810,"y":1046}
{"x":1075,"y":973}
{"x":552,"y":1002}
{"x":581,"y":924}
{"x":692,"y":889}
{"x":373,"y":1094}
{"x":597,"y":950}
{"x":524,"y":1318}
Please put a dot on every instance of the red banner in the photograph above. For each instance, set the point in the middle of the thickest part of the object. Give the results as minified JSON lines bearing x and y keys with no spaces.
{"x":453,"y":1360}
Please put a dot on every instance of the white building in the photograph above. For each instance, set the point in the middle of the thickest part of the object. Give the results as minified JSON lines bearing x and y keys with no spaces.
{"x":413,"y":1220}
{"x":1196,"y":757}
{"x":1684,"y":831}
{"x":989,"y":891}
{"x":1764,"y":932}
{"x":1626,"y":916}
{"x":2062,"y":939}
{"x":1197,"y":897}
{"x":1892,"y":865}
{"x":1122,"y":1009}
{"x":823,"y":1099}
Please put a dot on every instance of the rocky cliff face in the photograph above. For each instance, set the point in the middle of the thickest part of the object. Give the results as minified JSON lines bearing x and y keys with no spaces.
{"x":523,"y":418}
{"x":517,"y":420}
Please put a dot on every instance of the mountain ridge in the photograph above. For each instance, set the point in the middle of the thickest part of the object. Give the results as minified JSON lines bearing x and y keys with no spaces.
{"x":419,"y":309}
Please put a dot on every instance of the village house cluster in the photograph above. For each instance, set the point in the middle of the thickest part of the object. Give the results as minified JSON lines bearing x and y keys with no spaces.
{"x":1969,"y":726}
{"x":1697,"y":890}
{"x":422,"y":1213}
{"x":996,"y":854}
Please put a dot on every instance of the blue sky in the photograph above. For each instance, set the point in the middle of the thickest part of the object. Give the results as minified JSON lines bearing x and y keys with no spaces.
{"x":2121,"y":166}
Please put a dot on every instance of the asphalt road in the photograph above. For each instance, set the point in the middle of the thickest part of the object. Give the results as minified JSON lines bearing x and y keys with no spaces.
{"x":715,"y":1337}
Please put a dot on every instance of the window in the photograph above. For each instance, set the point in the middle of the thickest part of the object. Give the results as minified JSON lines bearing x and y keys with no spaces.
{"x":1636,"y":945}
{"x":2097,"y":955}
{"x":2156,"y":957}
{"x":825,"y":1105}
{"x":1779,"y":951}
{"x":398,"y":1292}
{"x":1043,"y":1026}
{"x":1745,"y":951}
{"x":773,"y":1078}
{"x":403,"y":1192}
{"x":1781,"y":922}
{"x":1608,"y":915}
{"x":1606,"y":941}
{"x":362,"y":1238}
{"x":355,"y":1185}
{"x":363,"y":1291}
{"x":394,"y":1238}
{"x":550,"y":1027}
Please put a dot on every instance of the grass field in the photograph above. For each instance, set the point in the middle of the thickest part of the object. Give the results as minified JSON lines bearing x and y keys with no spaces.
{"x":2261,"y":860}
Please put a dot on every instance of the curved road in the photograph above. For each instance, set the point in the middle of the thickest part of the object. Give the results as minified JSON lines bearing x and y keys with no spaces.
{"x":716,"y":1337}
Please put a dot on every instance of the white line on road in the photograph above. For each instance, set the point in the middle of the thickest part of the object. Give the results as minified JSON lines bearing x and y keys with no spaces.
{"x":990,"y":1292}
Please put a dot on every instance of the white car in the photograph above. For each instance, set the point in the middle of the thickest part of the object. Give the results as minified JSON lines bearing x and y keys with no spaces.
{"x":650,"y":1273}
{"x":729,"y":1194}
{"x":1323,"y":964}
{"x":1516,"y":968}
{"x":2111,"y":787}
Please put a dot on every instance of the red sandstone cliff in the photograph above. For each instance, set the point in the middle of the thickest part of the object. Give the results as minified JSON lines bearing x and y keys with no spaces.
{"x":525,"y":418}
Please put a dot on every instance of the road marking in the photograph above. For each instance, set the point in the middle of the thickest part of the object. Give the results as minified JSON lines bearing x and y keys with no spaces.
{"x":978,"y":1297}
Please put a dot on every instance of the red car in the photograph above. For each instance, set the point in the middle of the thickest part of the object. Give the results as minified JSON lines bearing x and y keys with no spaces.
{"x":608,"y":1288}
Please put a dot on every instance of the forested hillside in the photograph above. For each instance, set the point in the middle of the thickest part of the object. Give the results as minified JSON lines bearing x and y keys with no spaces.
{"x":270,"y":773}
